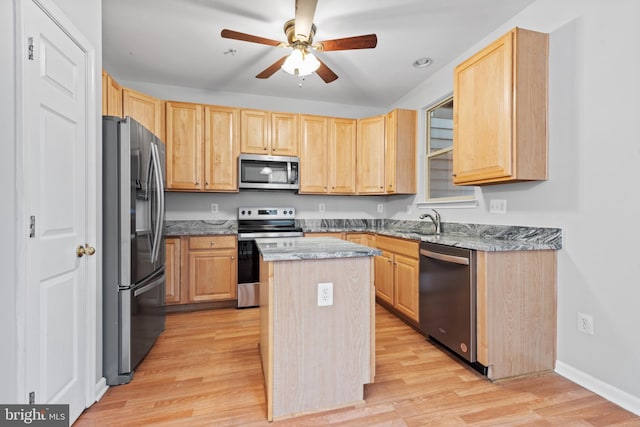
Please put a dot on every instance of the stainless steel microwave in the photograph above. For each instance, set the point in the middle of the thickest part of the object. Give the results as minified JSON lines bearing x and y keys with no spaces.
{"x":261,"y":172}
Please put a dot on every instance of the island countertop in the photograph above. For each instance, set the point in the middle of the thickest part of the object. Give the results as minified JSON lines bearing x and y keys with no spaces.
{"x":297,"y":248}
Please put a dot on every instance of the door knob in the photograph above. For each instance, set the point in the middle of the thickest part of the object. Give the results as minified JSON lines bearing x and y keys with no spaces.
{"x":85,"y":250}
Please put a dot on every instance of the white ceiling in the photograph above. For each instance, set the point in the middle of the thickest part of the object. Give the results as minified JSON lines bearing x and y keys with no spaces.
{"x":177,"y":42}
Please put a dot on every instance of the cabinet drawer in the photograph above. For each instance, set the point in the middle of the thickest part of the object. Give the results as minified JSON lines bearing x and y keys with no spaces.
{"x":212,"y":242}
{"x":399,"y":246}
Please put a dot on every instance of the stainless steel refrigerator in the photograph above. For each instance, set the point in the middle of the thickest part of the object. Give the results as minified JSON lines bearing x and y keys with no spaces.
{"x":133,"y":269}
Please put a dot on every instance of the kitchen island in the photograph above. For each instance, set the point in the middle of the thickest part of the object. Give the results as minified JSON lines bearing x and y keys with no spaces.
{"x":317,"y":346}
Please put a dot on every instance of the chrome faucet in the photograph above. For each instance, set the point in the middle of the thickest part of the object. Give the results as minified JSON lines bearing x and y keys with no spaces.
{"x":435,"y":219}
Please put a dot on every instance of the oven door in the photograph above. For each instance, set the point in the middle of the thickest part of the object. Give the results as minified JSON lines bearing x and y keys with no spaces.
{"x":248,"y":261}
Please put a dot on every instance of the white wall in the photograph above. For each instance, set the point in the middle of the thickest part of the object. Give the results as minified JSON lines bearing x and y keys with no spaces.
{"x":593,"y":159}
{"x":87,"y":17}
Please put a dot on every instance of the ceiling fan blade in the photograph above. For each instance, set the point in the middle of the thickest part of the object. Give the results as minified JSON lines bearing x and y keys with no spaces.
{"x":358,"y":42}
{"x":230,"y":34}
{"x":325,"y":73}
{"x":270,"y":71}
{"x":305,"y":10}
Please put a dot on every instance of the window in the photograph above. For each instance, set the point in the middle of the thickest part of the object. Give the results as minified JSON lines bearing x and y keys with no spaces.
{"x":440,"y":188}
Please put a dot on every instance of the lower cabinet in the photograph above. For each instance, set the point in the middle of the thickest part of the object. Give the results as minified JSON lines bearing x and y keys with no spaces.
{"x":337,"y":235}
{"x":201,"y":269}
{"x":172,"y":269}
{"x":397,"y":274}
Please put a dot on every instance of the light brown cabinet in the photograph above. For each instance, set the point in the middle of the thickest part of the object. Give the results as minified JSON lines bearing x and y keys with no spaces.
{"x":400,"y":151}
{"x":370,"y":155}
{"x":212,"y":268}
{"x":516,"y":312}
{"x":265,"y":132}
{"x":500,"y":111}
{"x":397,"y":273}
{"x":172,"y":270}
{"x":184,"y":146}
{"x":147,"y":110}
{"x":196,"y":132}
{"x":111,"y":96}
{"x":337,"y":235}
{"x":327,"y":155}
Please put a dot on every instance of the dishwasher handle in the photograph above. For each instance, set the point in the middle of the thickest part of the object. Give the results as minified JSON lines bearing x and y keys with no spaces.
{"x":444,"y":257}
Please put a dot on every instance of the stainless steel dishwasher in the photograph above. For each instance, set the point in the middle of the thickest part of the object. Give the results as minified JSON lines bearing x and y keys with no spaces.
{"x":448,"y":298}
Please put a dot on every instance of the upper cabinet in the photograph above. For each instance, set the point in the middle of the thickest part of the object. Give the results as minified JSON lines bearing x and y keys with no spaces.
{"x":196,"y":132}
{"x":371,"y":155}
{"x":265,"y":132}
{"x":327,"y":155}
{"x":111,"y":96}
{"x":147,"y":110}
{"x":400,"y":152}
{"x":500,"y":111}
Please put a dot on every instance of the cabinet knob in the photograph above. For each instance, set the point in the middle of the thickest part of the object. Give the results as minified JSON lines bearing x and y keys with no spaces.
{"x":232,"y":258}
{"x":211,"y":243}
{"x":206,"y":183}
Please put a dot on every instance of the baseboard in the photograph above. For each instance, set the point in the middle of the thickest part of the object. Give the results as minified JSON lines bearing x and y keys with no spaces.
{"x":621,"y":398}
{"x":101,"y":388}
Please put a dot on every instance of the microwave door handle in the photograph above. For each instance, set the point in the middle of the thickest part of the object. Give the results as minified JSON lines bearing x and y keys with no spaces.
{"x":289,"y":177}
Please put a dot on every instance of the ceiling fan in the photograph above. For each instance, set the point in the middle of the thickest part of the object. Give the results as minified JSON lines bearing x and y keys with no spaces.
{"x":300,"y":31}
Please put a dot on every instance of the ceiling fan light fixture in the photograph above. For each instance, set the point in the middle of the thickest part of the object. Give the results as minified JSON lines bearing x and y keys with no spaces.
{"x":300,"y":63}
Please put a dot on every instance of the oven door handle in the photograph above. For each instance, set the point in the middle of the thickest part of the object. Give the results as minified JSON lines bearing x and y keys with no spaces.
{"x":444,"y":257}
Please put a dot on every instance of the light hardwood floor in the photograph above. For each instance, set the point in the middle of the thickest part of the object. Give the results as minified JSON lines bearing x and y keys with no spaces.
{"x":205,"y":371}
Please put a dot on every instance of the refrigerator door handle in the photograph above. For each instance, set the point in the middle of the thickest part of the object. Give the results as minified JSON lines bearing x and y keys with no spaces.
{"x":155,"y":156}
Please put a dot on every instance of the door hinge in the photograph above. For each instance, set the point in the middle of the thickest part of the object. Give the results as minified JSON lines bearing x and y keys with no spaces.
{"x":30,"y":49}
{"x":32,"y":398}
{"x":32,"y":227}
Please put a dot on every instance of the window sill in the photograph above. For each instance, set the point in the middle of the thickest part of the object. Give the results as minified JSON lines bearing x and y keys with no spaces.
{"x":455,"y":204}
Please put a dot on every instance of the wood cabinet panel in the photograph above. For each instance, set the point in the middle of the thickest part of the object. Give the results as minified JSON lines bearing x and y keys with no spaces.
{"x":336,"y":235}
{"x":370,"y":155}
{"x":255,"y":132}
{"x":184,"y":146}
{"x":314,"y":157}
{"x":500,"y":111}
{"x":221,"y":148}
{"x":172,"y":269}
{"x":147,"y":110}
{"x":213,"y":264}
{"x":397,"y":274}
{"x":400,"y":151}
{"x":284,"y":134}
{"x":111,"y":96}
{"x":341,"y":166}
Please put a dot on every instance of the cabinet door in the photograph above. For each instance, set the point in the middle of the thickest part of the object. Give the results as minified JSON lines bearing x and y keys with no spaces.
{"x":406,"y":279}
{"x":335,"y":235}
{"x":284,"y":134}
{"x":172,"y":269}
{"x":212,"y":275}
{"x":400,"y":152}
{"x":145,"y":109}
{"x":255,"y":132}
{"x":111,"y":96}
{"x":383,"y":276}
{"x":359,"y":238}
{"x":313,"y":154}
{"x":370,"y":152}
{"x":184,"y":146}
{"x":342,"y":156}
{"x":221,"y":148}
{"x":482,"y":114}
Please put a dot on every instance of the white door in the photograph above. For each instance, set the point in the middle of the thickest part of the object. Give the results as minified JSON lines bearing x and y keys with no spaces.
{"x":56,"y":190}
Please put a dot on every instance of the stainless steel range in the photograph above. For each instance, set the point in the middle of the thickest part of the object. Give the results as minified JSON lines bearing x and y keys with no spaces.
{"x":256,"y":223}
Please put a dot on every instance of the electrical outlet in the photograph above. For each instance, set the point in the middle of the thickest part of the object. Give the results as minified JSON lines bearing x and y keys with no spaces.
{"x":321,"y":207}
{"x":585,"y":323}
{"x":380,"y":208}
{"x":214,"y":208}
{"x":325,"y":294}
{"x":498,"y":206}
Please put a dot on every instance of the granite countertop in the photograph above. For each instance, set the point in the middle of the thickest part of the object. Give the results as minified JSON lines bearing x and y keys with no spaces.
{"x":299,"y":248}
{"x":200,"y":228}
{"x":481,"y":237}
